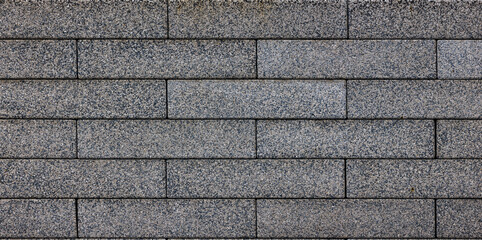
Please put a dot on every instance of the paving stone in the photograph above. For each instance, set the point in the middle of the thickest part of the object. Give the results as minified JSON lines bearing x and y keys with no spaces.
{"x":24,"y":178}
{"x":217,"y":218}
{"x":256,"y":99}
{"x":459,"y":59}
{"x":458,"y":218}
{"x":255,"y":178}
{"x":167,"y":59}
{"x":37,"y":139}
{"x":347,"y":139}
{"x":83,"y":99}
{"x":37,"y":59}
{"x":341,"y":218}
{"x":166,"y":139}
{"x":459,"y":138}
{"x":414,"y":99}
{"x":414,"y":178}
{"x":346,"y":59}
{"x":23,"y":218}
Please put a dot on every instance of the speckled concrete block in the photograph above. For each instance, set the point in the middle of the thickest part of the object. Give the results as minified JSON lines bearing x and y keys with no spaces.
{"x":256,"y":99}
{"x":346,"y":59}
{"x":343,"y":218}
{"x":414,"y":99}
{"x":37,"y":139}
{"x":167,"y":59}
{"x":257,"y":19}
{"x":459,"y":59}
{"x":350,"y":139}
{"x":459,"y":139}
{"x":255,"y":178}
{"x":459,"y":218}
{"x":30,"y":218}
{"x":167,"y":218}
{"x":37,"y":59}
{"x":414,"y":178}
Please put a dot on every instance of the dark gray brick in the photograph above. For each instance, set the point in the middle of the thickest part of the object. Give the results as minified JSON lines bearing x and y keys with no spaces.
{"x":457,"y":218}
{"x":37,"y":59}
{"x":256,"y":99}
{"x":83,"y":99}
{"x":255,"y":178}
{"x":167,"y":59}
{"x":346,"y":59}
{"x":459,"y":139}
{"x":37,"y":139}
{"x":459,"y":59}
{"x":167,"y":218}
{"x":414,"y":178}
{"x":167,"y":138}
{"x":415,"y":99}
{"x":350,"y":138}
{"x":22,"y":218}
{"x":343,"y":218}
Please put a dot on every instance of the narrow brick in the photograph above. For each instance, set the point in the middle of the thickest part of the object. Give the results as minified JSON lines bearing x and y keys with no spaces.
{"x":37,"y":139}
{"x":414,"y":99}
{"x":346,"y":139}
{"x":256,"y":99}
{"x":459,"y":218}
{"x":255,"y":178}
{"x":167,"y":59}
{"x":346,"y":59}
{"x":459,"y":139}
{"x":460,"y":59}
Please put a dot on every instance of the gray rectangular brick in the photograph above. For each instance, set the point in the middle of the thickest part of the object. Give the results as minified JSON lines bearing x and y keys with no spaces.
{"x":342,"y":218}
{"x":346,"y":59}
{"x":414,"y":178}
{"x":167,"y":218}
{"x":415,"y":19}
{"x":257,"y":19}
{"x":83,"y":98}
{"x":37,"y":139}
{"x":166,"y":139}
{"x":82,"y":178}
{"x":459,"y":138}
{"x":37,"y":59}
{"x":458,"y":218}
{"x":255,"y":178}
{"x":345,"y":139}
{"x":29,"y":218}
{"x":414,"y":99}
{"x":460,"y":59}
{"x":256,"y":99}
{"x":167,"y":59}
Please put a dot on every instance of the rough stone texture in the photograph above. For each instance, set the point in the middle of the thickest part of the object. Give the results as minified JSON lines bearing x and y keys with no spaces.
{"x":83,"y":99}
{"x":343,"y":218}
{"x":167,"y":59}
{"x":346,"y":59}
{"x":37,"y":139}
{"x":256,"y":99}
{"x":167,"y":218}
{"x":414,"y":178}
{"x":82,"y":178}
{"x":255,"y":178}
{"x":459,"y":218}
{"x":414,"y":99}
{"x":459,"y":139}
{"x":23,"y":218}
{"x":350,"y":139}
{"x":459,"y":59}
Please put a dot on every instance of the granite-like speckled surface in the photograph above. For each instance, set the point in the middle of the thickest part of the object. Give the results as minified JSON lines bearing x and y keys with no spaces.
{"x":459,"y":139}
{"x":459,"y":218}
{"x":460,"y":59}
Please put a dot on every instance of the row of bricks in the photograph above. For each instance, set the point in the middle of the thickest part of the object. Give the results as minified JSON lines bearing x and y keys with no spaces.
{"x":330,"y":59}
{"x":442,"y":19}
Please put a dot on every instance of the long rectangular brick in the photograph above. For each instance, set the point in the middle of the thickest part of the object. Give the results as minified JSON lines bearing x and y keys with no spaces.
{"x":255,"y":178}
{"x":345,"y":139}
{"x":83,"y":98}
{"x":459,"y":59}
{"x":167,"y":59}
{"x":346,"y":59}
{"x":414,"y":99}
{"x":459,"y":218}
{"x":459,"y":138}
{"x":166,"y":139}
{"x":37,"y":139}
{"x":256,"y":99}
{"x":342,"y":218}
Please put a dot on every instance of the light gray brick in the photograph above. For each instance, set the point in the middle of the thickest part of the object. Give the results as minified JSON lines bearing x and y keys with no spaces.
{"x":459,"y":139}
{"x":346,"y":59}
{"x":347,"y":139}
{"x":167,"y":59}
{"x":460,"y":59}
{"x":458,"y":218}
{"x":342,"y":218}
{"x":256,"y":99}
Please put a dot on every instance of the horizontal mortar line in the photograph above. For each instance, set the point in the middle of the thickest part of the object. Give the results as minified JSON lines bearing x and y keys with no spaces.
{"x":233,"y":119}
{"x":231,"y":39}
{"x":242,"y":158}
{"x":240,"y":198}
{"x":231,"y":78}
{"x":220,"y":238}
